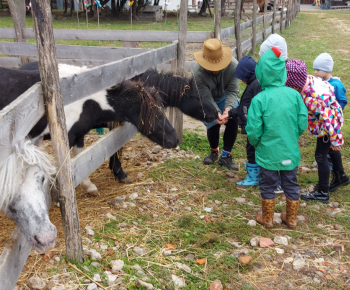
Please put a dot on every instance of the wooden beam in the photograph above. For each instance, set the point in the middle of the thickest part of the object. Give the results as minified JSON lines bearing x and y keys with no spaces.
{"x":255,"y":7}
{"x":13,"y":258}
{"x":217,"y":19}
{"x":87,"y":161}
{"x":274,"y":15}
{"x":73,"y":51}
{"x":57,"y":125}
{"x":238,"y":29}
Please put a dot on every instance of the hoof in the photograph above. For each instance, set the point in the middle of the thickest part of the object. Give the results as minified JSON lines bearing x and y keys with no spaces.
{"x":93,"y":192}
{"x":124,"y":180}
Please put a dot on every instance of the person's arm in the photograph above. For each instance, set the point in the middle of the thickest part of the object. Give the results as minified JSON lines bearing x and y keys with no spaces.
{"x":204,"y":90}
{"x":302,"y":116}
{"x":340,"y":94}
{"x":255,"y":123}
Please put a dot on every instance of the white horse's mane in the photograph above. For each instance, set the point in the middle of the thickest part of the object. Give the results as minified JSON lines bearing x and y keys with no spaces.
{"x":24,"y":154}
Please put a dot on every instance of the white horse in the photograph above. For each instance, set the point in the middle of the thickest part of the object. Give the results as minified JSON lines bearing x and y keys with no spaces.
{"x":25,"y":178}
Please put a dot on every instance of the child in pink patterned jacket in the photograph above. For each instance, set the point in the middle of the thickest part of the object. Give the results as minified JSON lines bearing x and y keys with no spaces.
{"x":325,"y":118}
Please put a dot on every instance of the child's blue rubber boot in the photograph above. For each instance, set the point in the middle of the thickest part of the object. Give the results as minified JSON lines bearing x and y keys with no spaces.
{"x":253,"y":175}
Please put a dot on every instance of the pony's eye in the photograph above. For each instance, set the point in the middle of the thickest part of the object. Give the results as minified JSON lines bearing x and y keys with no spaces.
{"x":43,"y":180}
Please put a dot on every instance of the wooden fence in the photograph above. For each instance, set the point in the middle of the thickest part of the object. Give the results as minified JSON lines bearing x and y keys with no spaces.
{"x":126,"y":63}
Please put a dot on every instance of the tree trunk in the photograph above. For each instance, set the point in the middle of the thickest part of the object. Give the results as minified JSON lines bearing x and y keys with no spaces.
{"x":95,"y":18}
{"x":18,"y":13}
{"x":274,"y":16}
{"x":217,"y":19}
{"x":223,"y":10}
{"x":57,"y":124}
{"x":264,"y":20}
{"x":281,"y":21}
{"x":255,"y":7}
{"x":238,"y":29}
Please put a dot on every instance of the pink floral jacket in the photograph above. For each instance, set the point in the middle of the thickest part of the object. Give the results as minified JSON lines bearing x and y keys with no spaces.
{"x":325,"y":116}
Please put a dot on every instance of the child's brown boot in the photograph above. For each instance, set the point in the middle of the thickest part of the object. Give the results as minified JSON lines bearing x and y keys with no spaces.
{"x":266,"y":217}
{"x":290,"y":217}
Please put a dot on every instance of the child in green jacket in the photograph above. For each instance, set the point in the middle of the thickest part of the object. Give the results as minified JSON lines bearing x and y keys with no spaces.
{"x":276,"y":118}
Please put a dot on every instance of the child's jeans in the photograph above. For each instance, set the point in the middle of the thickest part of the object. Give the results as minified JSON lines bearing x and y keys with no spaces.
{"x":269,"y":182}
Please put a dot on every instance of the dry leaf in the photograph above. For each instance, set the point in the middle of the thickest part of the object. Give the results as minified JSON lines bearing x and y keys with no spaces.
{"x":201,"y":261}
{"x":170,"y":247}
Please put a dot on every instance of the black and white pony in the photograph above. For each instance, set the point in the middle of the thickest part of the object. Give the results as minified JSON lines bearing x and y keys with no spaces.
{"x":175,"y":91}
{"x":26,"y":173}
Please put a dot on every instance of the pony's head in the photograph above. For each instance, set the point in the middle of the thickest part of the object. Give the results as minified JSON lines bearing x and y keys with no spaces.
{"x":180,"y":92}
{"x":25,"y":179}
{"x":142,"y":107}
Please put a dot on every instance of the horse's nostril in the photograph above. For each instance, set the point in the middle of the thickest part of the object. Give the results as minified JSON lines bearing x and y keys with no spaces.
{"x":37,"y":240}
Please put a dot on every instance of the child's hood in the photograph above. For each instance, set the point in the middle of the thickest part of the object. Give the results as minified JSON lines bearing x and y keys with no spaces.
{"x":271,"y":69}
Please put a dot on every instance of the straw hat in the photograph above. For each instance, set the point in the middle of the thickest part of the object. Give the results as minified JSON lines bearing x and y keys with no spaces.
{"x":214,"y":56}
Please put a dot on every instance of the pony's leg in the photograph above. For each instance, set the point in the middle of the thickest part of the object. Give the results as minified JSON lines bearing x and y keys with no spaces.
{"x":87,"y":185}
{"x":116,"y":167}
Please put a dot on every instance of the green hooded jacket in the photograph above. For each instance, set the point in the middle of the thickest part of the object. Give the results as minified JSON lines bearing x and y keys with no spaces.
{"x":276,"y":118}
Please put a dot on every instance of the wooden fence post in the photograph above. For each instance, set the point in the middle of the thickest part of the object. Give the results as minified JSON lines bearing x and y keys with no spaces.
{"x":57,"y":124}
{"x":288,"y":14}
{"x":18,"y":13}
{"x":255,"y":7}
{"x":217,"y":19}
{"x":238,"y":29}
{"x":180,"y":64}
{"x":281,"y":19}
{"x":264,"y":20}
{"x":274,"y":16}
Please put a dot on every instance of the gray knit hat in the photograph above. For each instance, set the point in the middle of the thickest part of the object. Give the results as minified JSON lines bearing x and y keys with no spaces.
{"x":323,"y":62}
{"x":275,"y":40}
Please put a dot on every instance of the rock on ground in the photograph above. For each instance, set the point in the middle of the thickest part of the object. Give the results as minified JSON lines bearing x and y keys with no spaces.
{"x":36,"y":283}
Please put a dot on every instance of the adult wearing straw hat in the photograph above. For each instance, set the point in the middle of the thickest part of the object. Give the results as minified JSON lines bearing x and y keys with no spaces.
{"x":215,"y":78}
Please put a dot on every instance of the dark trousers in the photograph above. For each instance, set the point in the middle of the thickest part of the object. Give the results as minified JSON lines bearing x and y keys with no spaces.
{"x":269,"y":182}
{"x":230,"y":135}
{"x":323,"y":147}
{"x":250,"y":149}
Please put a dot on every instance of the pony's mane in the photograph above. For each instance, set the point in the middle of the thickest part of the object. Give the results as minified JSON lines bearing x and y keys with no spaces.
{"x":174,"y":86}
{"x":24,"y":154}
{"x":151,"y":103}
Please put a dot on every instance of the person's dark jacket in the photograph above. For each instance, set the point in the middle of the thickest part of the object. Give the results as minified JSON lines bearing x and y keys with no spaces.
{"x":252,"y":89}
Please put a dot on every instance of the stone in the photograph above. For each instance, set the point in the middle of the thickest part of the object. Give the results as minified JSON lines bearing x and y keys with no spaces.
{"x":189,"y":257}
{"x":97,"y":278}
{"x":140,"y":283}
{"x":300,"y":218}
{"x":167,"y":253}
{"x":187,"y":208}
{"x":92,"y":286}
{"x":216,"y":285}
{"x":179,"y":282}
{"x":89,"y":231}
{"x":305,"y":169}
{"x":240,"y":200}
{"x":302,"y":205}
{"x":254,"y":241}
{"x":95,"y":255}
{"x":338,"y":227}
{"x":279,"y":251}
{"x":298,"y":264}
{"x":184,"y":267}
{"x":57,"y":288}
{"x":339,"y":248}
{"x":311,"y":188}
{"x":139,"y":176}
{"x":139,"y":251}
{"x":245,"y":259}
{"x":314,"y":164}
{"x":288,"y":260}
{"x":111,"y":217}
{"x":334,"y":204}
{"x":218,"y":202}
{"x":111,"y":279}
{"x":133,"y":196}
{"x":156,"y":149}
{"x":281,"y":240}
{"x":277,"y":218}
{"x":36,"y":283}
{"x":117,"y":200}
{"x":57,"y":259}
{"x":252,"y":223}
{"x":117,"y":266}
{"x":265,"y":243}
{"x":235,"y":244}
{"x":316,"y":281}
